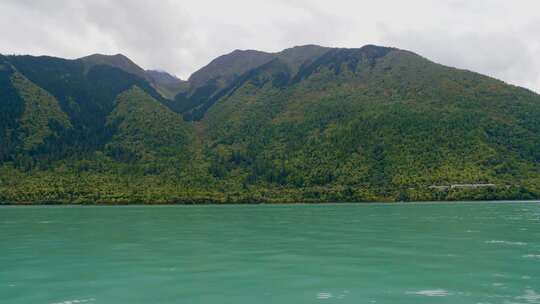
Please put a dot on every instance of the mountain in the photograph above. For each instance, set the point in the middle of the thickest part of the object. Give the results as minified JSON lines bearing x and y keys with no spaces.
{"x":166,"y":84}
{"x":376,"y":116}
{"x":208,"y":84}
{"x":118,"y":61}
{"x":307,"y":124}
{"x":227,"y":67}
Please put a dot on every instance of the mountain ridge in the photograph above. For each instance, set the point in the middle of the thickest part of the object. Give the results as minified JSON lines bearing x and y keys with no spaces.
{"x":307,"y":124}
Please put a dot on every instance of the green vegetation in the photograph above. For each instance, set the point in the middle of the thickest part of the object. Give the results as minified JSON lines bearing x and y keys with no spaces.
{"x":146,"y":129}
{"x":308,"y":124}
{"x":40,"y":110}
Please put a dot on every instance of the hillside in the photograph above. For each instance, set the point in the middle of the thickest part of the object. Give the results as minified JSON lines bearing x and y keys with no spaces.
{"x":211,"y":82}
{"x":378,"y":119}
{"x":305,"y":124}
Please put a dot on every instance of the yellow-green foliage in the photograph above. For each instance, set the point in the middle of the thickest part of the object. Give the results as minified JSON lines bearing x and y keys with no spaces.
{"x":40,"y":108}
{"x":369,"y":124}
{"x":400,"y":122}
{"x":146,"y":128}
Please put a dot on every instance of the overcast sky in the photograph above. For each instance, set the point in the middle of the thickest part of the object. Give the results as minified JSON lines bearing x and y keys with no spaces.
{"x":494,"y":37}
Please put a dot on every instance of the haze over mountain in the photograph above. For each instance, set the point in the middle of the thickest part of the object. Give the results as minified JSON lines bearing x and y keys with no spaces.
{"x":308,"y":123}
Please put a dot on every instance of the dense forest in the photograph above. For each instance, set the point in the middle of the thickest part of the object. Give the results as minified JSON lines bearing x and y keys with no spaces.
{"x":308,"y":124}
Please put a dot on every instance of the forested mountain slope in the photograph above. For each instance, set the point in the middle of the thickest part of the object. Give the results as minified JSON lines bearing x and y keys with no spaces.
{"x":305,"y":124}
{"x":375,"y":118}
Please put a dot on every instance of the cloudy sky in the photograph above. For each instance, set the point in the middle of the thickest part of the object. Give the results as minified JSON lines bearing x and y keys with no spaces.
{"x":500,"y":38}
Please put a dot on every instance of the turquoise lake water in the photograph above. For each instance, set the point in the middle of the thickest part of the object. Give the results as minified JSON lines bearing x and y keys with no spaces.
{"x":358,"y":253}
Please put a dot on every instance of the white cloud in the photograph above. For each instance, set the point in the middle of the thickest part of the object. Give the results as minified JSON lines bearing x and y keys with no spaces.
{"x":494,"y":37}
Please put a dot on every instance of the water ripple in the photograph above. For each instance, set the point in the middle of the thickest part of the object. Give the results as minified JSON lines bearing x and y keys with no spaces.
{"x":506,"y":243}
{"x":431,"y":293}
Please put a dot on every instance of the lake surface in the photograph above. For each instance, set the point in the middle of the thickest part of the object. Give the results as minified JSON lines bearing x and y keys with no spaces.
{"x":388,"y":253}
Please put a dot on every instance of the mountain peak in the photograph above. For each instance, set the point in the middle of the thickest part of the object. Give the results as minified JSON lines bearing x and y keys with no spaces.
{"x":305,"y":46}
{"x":118,"y":61}
{"x":299,"y":55}
{"x":105,"y":58}
{"x":230,"y":65}
{"x":247,"y":51}
{"x":166,"y":84}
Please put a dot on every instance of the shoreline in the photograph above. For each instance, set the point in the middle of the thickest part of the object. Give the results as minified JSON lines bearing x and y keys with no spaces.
{"x":134,"y":204}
